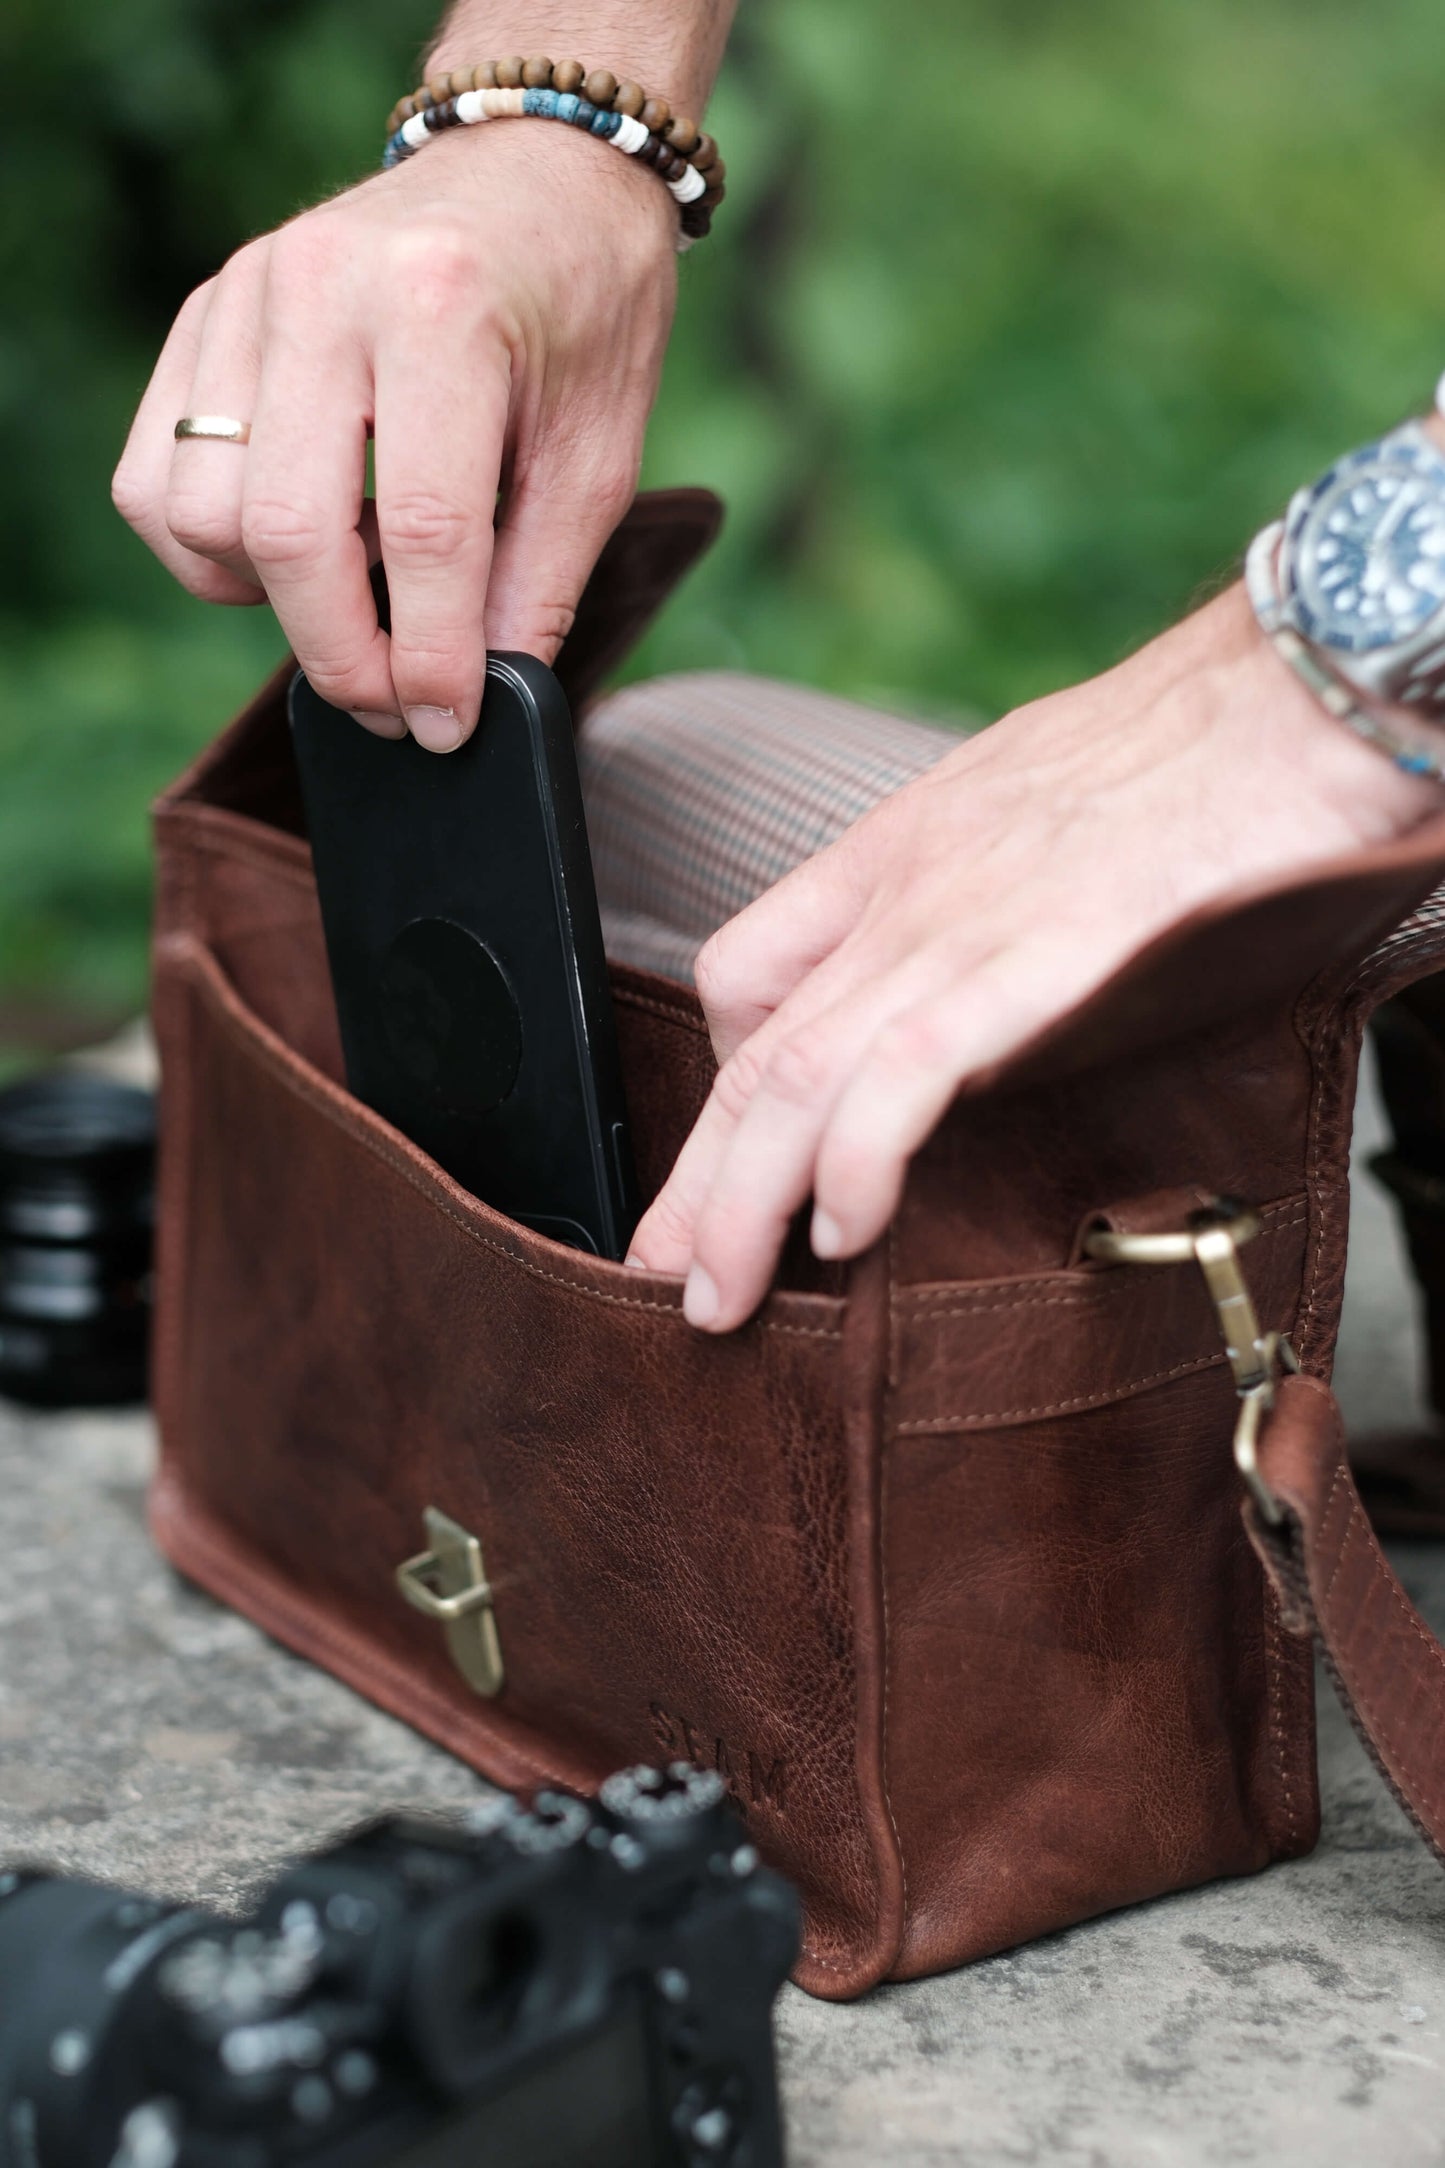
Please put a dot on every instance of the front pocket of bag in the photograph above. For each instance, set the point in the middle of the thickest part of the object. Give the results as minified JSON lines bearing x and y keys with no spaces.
{"x":348,"y":1338}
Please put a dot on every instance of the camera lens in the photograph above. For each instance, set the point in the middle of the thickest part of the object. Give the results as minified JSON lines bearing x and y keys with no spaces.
{"x":77,"y":1181}
{"x":70,"y":1954}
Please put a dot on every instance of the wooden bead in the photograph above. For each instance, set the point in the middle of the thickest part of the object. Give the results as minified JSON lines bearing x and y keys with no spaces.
{"x":673,"y":167}
{"x":717,"y":173}
{"x":630,"y":98}
{"x":711,"y":198}
{"x":424,"y":99}
{"x":703,"y":153}
{"x":568,"y":77}
{"x":537,"y":73}
{"x":439,"y":89}
{"x":655,"y":115}
{"x":600,"y":87}
{"x":509,"y":72}
{"x":403,"y":113}
{"x":485,"y":75}
{"x":681,"y":133}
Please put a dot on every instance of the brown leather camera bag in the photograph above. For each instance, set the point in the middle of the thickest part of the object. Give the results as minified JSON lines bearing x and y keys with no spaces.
{"x":940,"y":1561}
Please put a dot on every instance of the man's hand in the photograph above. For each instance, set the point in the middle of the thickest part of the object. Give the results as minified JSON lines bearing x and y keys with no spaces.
{"x":494,"y":312}
{"x":974,"y":908}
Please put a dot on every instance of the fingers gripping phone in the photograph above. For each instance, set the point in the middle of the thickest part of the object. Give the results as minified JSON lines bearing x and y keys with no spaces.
{"x":466,"y":952}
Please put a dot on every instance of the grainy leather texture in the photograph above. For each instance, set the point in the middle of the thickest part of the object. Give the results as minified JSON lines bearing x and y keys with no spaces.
{"x":1334,"y":1582}
{"x":939,"y":1560}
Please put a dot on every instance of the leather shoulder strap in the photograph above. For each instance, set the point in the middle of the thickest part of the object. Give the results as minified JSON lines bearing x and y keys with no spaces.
{"x":1335,"y":1582}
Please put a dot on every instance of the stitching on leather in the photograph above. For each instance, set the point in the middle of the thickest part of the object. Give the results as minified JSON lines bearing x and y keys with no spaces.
{"x":921,"y":1424}
{"x":1356,"y":1525}
{"x":254,"y":1037}
{"x":1314,"y":1155}
{"x":1419,"y":1802}
{"x":1387,"y":967}
{"x":1111,"y":1290}
{"x":1275,"y":1686}
{"x":883,"y":1473}
{"x":810,"y":1949}
{"x":1324,"y":1524}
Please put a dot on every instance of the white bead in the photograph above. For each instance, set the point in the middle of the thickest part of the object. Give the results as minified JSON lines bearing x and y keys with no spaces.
{"x":690,"y":187}
{"x":631,"y":136}
{"x":415,"y":131}
{"x":470,"y":108}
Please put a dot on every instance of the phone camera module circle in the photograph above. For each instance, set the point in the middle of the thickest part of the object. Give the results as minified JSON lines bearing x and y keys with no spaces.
{"x":450,"y":1016}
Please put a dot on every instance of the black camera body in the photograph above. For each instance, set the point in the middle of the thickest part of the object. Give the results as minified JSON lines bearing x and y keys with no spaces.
{"x":561,"y":1986}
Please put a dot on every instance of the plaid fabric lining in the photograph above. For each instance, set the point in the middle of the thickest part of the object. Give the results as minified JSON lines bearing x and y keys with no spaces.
{"x":703,"y":790}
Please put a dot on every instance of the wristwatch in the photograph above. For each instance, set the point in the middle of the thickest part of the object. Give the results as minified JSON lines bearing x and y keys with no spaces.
{"x":1362,"y":568}
{"x":1350,"y":586}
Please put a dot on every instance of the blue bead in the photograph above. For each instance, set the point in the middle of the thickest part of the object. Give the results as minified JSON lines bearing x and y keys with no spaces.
{"x":566,"y":106}
{"x":583,"y":116}
{"x":605,"y":123}
{"x":540,"y":102}
{"x":1415,"y":763}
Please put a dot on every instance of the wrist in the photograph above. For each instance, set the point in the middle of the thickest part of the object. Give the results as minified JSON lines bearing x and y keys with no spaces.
{"x":596,"y":188}
{"x":1351,"y":781}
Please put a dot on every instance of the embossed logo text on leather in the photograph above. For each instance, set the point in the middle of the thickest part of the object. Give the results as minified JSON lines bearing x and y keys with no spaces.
{"x":752,"y":1779}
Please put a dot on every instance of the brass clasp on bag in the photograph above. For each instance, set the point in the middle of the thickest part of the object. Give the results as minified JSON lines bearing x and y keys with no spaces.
{"x":1213,"y":1240}
{"x":449,"y":1583}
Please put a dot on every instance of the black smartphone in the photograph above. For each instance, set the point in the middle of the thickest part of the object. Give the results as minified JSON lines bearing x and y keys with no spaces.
{"x":466,"y":952}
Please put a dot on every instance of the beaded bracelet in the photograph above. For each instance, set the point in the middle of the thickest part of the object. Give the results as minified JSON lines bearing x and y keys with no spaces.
{"x":1262,"y":582}
{"x":619,"y":113}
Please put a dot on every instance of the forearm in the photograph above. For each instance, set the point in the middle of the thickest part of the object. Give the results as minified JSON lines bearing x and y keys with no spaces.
{"x":672,"y":47}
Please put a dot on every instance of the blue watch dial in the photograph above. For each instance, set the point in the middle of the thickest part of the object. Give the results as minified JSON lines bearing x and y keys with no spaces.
{"x":1370,"y":553}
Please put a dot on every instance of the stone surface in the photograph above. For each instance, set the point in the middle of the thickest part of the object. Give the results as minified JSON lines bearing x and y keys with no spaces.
{"x":148,"y":1736}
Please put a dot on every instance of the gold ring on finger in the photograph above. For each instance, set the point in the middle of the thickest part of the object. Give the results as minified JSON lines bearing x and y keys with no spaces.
{"x":218,"y":428}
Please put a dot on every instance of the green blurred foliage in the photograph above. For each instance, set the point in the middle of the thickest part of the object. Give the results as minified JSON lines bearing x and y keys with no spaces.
{"x":1019,"y":318}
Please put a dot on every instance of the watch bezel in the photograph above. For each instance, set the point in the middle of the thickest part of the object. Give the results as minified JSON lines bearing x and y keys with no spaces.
{"x":1404,"y":452}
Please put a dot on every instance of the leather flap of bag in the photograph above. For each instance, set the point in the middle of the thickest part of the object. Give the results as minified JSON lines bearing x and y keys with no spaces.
{"x":658,"y":541}
{"x":1259,"y":949}
{"x":1200,"y":1062}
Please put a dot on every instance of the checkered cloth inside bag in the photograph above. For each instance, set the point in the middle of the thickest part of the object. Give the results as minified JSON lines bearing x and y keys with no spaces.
{"x":703,"y":790}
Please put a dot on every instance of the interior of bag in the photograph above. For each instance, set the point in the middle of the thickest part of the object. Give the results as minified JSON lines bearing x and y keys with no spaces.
{"x":667,"y":1061}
